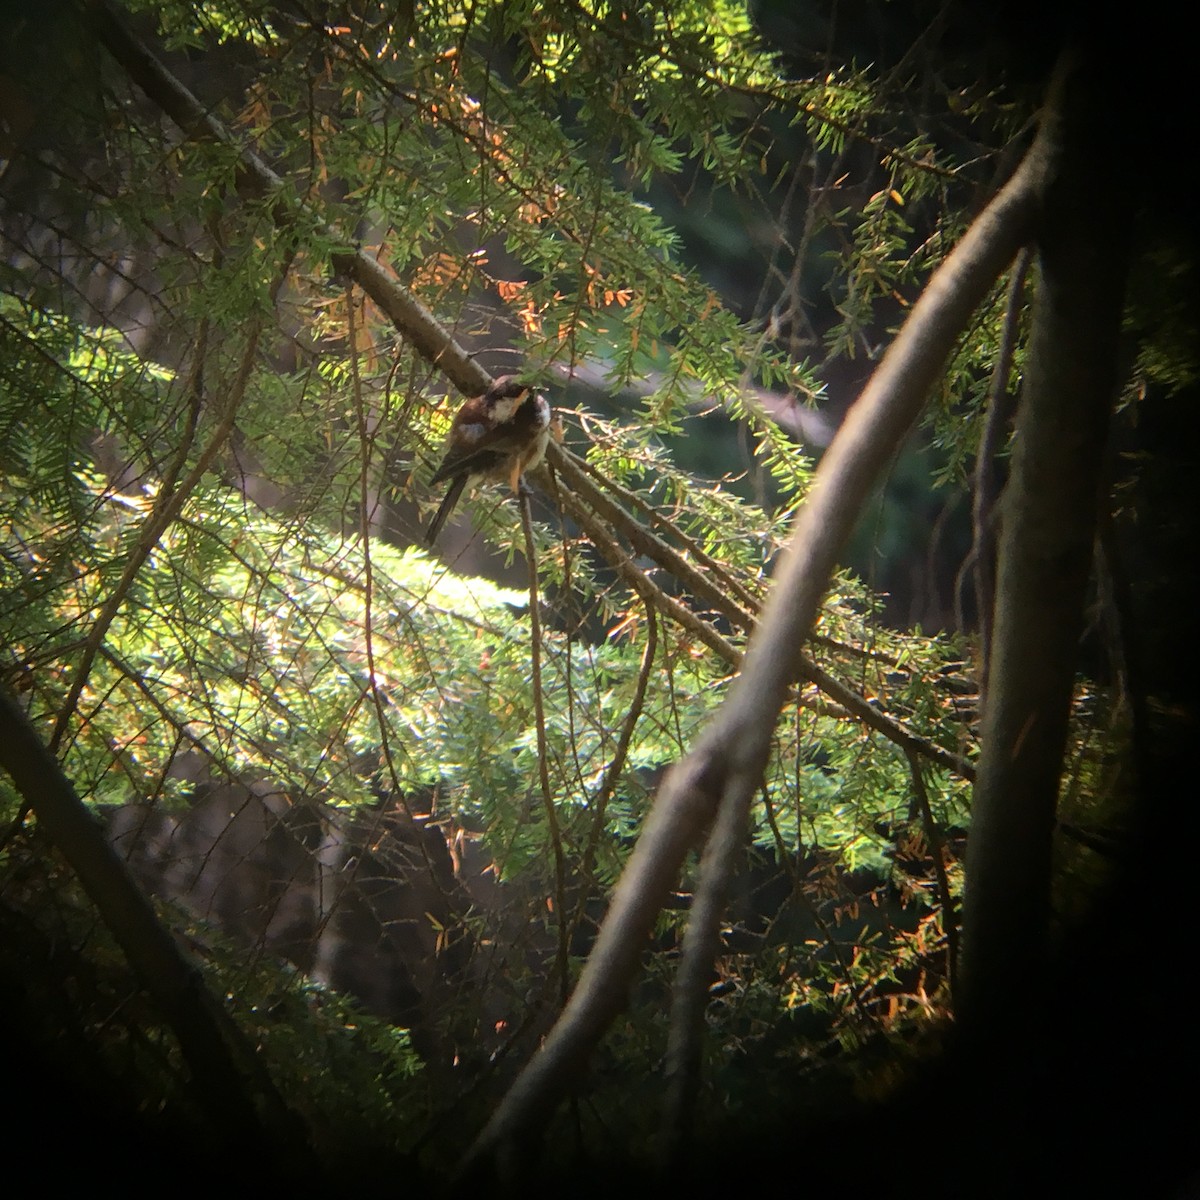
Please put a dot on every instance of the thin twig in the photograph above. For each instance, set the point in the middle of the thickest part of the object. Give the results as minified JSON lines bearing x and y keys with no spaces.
{"x":729,"y":583}
{"x":724,"y":768}
{"x":539,"y":710}
{"x":671,"y":561}
{"x":165,"y":511}
{"x":937,"y":852}
{"x":649,"y":591}
{"x":616,"y":765}
{"x":890,"y":728}
{"x":365,"y":442}
{"x":984,"y":509}
{"x":608,"y":514}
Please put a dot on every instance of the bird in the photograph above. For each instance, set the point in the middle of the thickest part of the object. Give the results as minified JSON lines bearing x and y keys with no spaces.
{"x":499,"y":435}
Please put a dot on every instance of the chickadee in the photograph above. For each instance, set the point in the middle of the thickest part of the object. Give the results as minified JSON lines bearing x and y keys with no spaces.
{"x":499,"y":435}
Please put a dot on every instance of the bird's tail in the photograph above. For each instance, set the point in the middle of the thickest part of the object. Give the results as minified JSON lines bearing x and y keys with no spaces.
{"x":445,"y":508}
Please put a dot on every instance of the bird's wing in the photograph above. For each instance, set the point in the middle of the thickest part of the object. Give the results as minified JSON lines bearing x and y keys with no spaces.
{"x":487,"y":452}
{"x":457,"y":460}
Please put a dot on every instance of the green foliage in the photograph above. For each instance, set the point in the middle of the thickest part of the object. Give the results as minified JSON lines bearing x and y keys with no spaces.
{"x":205,"y":474}
{"x":354,"y":1081}
{"x":478,"y":145}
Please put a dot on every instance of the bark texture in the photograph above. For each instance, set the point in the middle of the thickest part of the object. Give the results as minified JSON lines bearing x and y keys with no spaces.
{"x":1048,"y":523}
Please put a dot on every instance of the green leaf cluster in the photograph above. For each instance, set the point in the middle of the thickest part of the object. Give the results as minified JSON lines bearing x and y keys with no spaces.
{"x":501,"y":160}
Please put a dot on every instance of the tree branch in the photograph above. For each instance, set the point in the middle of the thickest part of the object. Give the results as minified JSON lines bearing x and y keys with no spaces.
{"x":725,"y":767}
{"x":1000,"y":408}
{"x":168,"y":506}
{"x":256,"y":180}
{"x":543,"y":751}
{"x":595,"y":512}
{"x":933,"y":837}
{"x":1046,"y":542}
{"x":229,"y":1083}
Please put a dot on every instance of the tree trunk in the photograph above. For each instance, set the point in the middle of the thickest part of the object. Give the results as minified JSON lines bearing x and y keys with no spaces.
{"x":1048,"y":522}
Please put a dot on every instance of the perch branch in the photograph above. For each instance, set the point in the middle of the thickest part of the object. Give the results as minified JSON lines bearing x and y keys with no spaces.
{"x":725,"y":766}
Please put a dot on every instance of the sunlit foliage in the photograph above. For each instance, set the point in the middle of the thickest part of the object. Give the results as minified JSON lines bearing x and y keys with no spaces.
{"x":214,"y":454}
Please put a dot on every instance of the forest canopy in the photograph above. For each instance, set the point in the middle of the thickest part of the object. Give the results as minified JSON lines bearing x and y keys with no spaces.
{"x":381,"y":794}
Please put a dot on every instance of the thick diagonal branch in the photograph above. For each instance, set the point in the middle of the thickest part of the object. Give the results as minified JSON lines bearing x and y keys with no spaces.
{"x":255,"y":179}
{"x":229,"y":1082}
{"x":597,"y":514}
{"x":726,"y":765}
